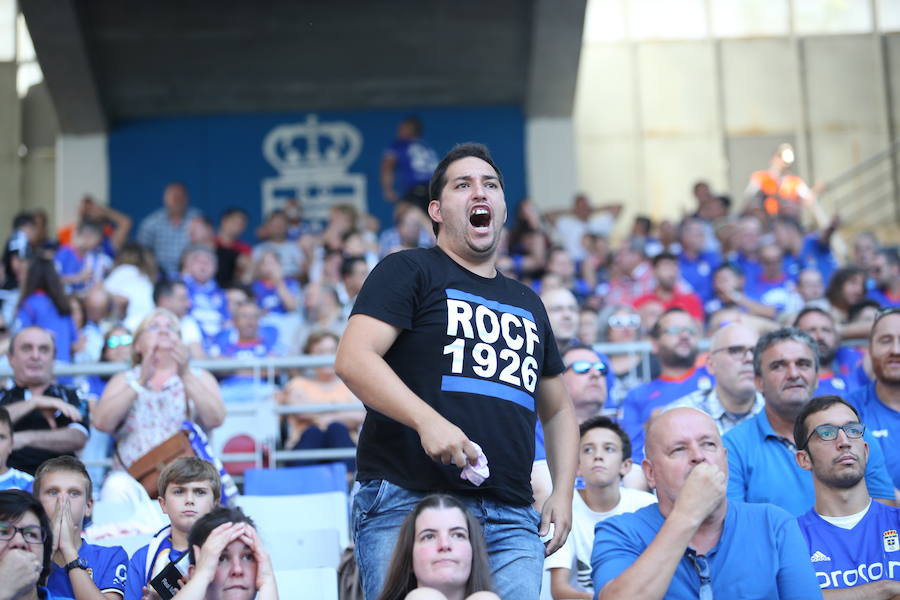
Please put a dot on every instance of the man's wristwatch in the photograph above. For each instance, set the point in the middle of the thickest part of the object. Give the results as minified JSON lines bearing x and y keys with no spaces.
{"x":78,"y":563}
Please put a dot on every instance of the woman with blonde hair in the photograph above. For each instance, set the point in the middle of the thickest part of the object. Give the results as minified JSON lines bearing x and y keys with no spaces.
{"x":147,"y":404}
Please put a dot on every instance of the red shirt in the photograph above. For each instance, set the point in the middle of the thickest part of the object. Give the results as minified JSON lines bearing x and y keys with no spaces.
{"x":687,"y":301}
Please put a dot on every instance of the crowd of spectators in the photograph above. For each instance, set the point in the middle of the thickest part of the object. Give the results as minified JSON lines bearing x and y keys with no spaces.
{"x":187,"y":288}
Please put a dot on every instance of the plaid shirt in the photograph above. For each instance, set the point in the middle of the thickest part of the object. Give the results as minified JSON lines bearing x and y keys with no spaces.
{"x":708,"y":402}
{"x":166,"y":239}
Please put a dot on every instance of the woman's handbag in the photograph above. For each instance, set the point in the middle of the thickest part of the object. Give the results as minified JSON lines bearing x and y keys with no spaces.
{"x":147,"y":468}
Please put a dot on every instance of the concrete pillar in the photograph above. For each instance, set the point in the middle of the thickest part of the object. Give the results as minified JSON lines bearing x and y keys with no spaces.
{"x":550,"y":161}
{"x":10,"y":139}
{"x":82,"y":167}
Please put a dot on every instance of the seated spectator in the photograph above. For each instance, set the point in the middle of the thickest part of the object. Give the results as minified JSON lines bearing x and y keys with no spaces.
{"x":811,"y":288}
{"x":440,"y":554}
{"x":10,"y":291}
{"x":572,"y":224}
{"x":728,"y":286}
{"x":761,"y":465}
{"x":148,"y":403}
{"x":846,"y":533}
{"x":585,"y":379}
{"x":770,"y":285}
{"x":845,"y":288}
{"x":323,"y":312}
{"x":21,"y":242}
{"x":49,"y":419}
{"x":43,"y":303}
{"x":562,"y":310}
{"x":630,"y":276}
{"x":561,"y":264}
{"x":695,"y":263}
{"x":411,"y":230}
{"x":98,"y":318}
{"x":631,"y":371}
{"x":227,"y":560}
{"x":879,"y":402}
{"x":328,"y":429}
{"x":79,"y":570}
{"x":668,"y":290}
{"x":165,"y":231}
{"x":274,"y":292}
{"x":189,"y":488}
{"x":886,"y":272}
{"x":852,"y":356}
{"x":208,"y":305}
{"x":354,"y":270}
{"x":734,"y":398}
{"x":865,"y":245}
{"x":527,"y":243}
{"x":820,"y":326}
{"x":596,"y":265}
{"x":131,"y":283}
{"x":115,"y":225}
{"x":173,"y":296}
{"x":802,"y":251}
{"x":604,"y":458}
{"x":247,"y":340}
{"x":696,"y":542}
{"x":232,"y":254}
{"x":674,"y":336}
{"x":289,"y":253}
{"x":26,"y":544}
{"x":588,"y":326}
{"x":746,"y":243}
{"x":82,"y":264}
{"x":10,"y":478}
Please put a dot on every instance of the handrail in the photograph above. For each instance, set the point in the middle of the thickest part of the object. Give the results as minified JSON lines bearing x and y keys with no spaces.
{"x":840,"y":178}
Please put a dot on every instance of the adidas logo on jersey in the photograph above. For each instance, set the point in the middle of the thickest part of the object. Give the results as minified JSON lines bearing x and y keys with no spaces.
{"x":819,"y":557}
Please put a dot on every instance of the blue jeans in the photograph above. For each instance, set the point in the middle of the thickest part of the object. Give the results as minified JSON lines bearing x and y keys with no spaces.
{"x":515,"y":551}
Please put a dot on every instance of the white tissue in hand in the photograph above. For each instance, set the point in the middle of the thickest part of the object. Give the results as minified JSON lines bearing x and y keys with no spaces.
{"x":478,"y":472}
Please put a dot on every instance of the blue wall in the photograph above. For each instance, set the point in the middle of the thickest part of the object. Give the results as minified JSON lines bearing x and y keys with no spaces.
{"x":221,"y":161}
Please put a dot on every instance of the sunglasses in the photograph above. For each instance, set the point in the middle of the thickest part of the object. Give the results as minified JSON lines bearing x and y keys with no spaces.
{"x":624,"y":321}
{"x":829,"y":433}
{"x":115,"y":341}
{"x":583,"y":366}
{"x":736,"y":351}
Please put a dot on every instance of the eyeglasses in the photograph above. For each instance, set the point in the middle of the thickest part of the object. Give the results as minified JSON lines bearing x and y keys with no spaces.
{"x":631,"y":321}
{"x":701,"y":565}
{"x":115,"y":341}
{"x":829,"y":433}
{"x":32,"y":534}
{"x":736,"y":351}
{"x":674,"y":330}
{"x":583,"y":366}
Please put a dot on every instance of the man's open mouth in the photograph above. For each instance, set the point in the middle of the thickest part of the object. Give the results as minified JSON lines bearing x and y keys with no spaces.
{"x":480,"y":217}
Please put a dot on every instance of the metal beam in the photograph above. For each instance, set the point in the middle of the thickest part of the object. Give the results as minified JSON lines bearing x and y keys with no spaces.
{"x":63,"y":55}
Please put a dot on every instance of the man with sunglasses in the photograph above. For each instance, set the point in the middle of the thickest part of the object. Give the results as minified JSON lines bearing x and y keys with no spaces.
{"x":734,"y":398}
{"x":852,"y":541}
{"x":879,"y":402}
{"x":585,"y":380}
{"x":761,"y":464}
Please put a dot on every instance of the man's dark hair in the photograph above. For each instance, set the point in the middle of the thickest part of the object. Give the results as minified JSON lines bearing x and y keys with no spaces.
{"x":13,"y":505}
{"x":220,"y":515}
{"x":771,"y":338}
{"x":233,"y":210}
{"x":603,"y":422}
{"x":349,"y":262}
{"x":729,"y":266}
{"x":572,"y":347}
{"x":22,"y":219}
{"x":655,"y":331}
{"x":817,"y":404}
{"x":644,"y":222}
{"x":663,"y":256}
{"x":812,"y":309}
{"x":164,"y":289}
{"x":458,"y":152}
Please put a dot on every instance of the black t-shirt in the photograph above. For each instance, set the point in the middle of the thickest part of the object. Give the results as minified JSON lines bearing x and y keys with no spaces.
{"x":29,"y":459}
{"x":473,"y":348}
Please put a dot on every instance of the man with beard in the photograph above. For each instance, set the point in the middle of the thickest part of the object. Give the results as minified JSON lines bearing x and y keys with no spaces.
{"x":819,"y":324}
{"x":886,"y":272}
{"x":761,"y":464}
{"x":734,"y":398}
{"x":879,"y":402}
{"x":674,"y":338}
{"x":852,"y":541}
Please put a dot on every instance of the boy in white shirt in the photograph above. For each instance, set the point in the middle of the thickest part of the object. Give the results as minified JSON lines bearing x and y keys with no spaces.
{"x":604,"y":457}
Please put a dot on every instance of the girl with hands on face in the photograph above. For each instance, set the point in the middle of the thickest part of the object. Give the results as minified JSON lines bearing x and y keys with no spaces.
{"x":227,"y":560}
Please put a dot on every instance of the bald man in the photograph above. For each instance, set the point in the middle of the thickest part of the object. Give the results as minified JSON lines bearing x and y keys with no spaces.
{"x":734,"y":398}
{"x":695,"y":543}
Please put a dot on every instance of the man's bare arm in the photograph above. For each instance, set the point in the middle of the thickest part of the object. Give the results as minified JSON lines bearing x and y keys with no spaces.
{"x":561,"y":442}
{"x":65,"y":439}
{"x":360,"y":364}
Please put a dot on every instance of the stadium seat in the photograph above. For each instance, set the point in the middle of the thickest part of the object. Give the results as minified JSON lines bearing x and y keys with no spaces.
{"x":312,"y":479}
{"x":278,"y":516}
{"x":240,"y":444}
{"x":317,"y":584}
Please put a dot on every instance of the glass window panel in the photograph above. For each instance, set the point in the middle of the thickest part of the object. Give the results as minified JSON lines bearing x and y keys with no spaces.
{"x":832,"y":16}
